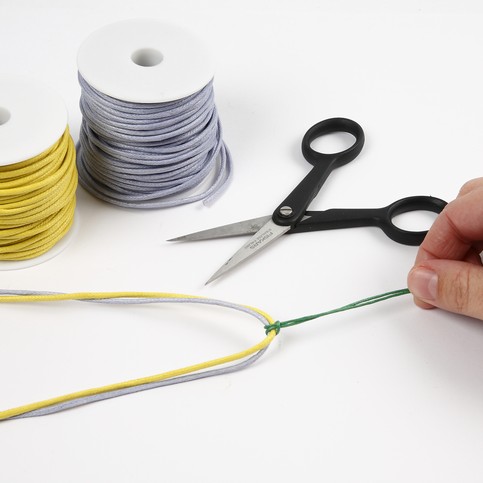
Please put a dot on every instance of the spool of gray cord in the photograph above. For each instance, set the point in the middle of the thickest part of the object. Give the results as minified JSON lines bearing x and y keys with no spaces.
{"x":150,"y":134}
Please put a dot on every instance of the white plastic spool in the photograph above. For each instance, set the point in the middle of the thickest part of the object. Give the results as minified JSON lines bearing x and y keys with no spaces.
{"x":145,"y":61}
{"x":32,"y":119}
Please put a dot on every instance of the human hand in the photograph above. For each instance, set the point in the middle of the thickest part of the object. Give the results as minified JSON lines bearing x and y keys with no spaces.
{"x":448,"y":271}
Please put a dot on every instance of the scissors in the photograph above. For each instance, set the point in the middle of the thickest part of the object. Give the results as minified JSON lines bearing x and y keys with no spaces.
{"x":291,"y":215}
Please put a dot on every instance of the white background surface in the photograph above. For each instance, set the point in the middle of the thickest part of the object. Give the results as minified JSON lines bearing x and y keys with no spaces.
{"x":388,"y":393}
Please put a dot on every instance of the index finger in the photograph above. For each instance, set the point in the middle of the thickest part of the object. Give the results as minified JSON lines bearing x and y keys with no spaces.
{"x":457,"y":233}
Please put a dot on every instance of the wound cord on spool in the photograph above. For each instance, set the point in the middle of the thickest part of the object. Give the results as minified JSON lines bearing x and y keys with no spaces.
{"x":145,"y":155}
{"x":37,"y":201}
{"x":185,"y":374}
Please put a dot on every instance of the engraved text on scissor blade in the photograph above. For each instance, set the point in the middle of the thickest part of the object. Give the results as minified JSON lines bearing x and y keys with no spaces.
{"x":260,"y":239}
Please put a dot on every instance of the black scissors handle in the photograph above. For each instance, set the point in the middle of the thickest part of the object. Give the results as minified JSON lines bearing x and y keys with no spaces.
{"x":380,"y":217}
{"x":293,"y":208}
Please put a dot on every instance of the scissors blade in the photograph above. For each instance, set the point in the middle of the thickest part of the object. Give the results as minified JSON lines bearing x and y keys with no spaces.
{"x":267,"y":234}
{"x":246,"y":227}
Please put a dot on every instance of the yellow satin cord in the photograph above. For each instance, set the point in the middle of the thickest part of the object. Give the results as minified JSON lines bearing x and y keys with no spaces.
{"x":37,"y":201}
{"x":134,"y":382}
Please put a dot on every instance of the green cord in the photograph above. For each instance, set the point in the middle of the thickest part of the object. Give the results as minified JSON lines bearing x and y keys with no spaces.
{"x":354,"y":305}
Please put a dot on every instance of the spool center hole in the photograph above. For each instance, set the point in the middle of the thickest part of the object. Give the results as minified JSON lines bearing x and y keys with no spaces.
{"x":147,"y":57}
{"x":4,"y":115}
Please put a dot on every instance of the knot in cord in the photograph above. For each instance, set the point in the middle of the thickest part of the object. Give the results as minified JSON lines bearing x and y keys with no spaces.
{"x":276,"y":326}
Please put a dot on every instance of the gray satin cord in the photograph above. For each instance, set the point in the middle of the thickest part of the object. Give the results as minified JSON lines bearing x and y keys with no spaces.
{"x":144,"y":387}
{"x":140,"y":155}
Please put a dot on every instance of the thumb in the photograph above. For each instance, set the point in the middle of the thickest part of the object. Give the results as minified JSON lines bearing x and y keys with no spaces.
{"x":452,"y":285}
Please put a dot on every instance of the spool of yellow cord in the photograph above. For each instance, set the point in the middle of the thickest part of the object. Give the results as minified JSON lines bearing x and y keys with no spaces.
{"x":38,"y":176}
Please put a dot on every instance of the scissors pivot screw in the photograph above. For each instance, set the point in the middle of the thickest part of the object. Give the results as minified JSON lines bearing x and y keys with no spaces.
{"x":285,"y":211}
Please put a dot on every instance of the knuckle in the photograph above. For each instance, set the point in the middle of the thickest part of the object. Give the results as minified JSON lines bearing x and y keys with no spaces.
{"x":471,"y":185}
{"x":460,"y":291}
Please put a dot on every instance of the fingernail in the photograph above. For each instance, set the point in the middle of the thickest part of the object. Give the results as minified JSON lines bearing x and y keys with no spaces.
{"x":423,"y":284}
